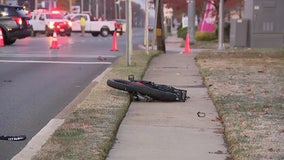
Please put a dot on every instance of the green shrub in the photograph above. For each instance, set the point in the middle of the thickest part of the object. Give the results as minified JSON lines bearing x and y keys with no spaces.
{"x":205,"y":36}
{"x":182,"y":32}
{"x":179,"y":27}
{"x":199,"y":36}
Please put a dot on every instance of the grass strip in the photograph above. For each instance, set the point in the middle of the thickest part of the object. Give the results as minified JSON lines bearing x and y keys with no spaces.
{"x":90,"y":131}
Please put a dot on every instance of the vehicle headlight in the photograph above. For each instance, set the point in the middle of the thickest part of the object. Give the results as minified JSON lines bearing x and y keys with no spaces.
{"x":69,"y":23}
{"x":51,"y":25}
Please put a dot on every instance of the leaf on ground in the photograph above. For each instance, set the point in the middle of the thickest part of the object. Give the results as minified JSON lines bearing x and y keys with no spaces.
{"x":251,"y":95}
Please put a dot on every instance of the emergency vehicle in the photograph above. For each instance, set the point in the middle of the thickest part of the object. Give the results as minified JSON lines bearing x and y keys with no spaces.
{"x":44,"y":21}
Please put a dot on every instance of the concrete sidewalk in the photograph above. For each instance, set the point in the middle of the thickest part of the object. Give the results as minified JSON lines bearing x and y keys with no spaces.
{"x":167,"y":131}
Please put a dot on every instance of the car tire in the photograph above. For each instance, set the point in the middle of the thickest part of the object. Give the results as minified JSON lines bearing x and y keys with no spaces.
{"x":95,"y":34}
{"x":104,"y":32}
{"x":7,"y":41}
{"x":47,"y":32}
{"x":33,"y":33}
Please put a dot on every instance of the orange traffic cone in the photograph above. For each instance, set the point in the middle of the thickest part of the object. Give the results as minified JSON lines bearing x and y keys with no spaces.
{"x":187,"y":45}
{"x":1,"y":39}
{"x":114,"y":43}
{"x":54,"y":43}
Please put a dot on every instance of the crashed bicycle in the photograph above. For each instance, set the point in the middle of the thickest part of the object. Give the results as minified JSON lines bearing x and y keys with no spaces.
{"x":141,"y":90}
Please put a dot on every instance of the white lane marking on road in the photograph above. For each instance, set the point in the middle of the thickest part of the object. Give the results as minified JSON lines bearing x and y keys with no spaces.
{"x":52,"y":62}
{"x":38,"y":140}
{"x":56,"y":55}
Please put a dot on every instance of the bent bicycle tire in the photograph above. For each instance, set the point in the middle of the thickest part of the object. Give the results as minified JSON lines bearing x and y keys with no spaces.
{"x":119,"y":84}
{"x":152,"y":92}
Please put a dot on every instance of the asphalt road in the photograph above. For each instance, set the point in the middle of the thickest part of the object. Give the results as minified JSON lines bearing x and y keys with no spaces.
{"x":37,"y":82}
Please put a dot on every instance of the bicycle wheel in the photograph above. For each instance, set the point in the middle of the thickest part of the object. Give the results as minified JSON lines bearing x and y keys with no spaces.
{"x":119,"y":84}
{"x":154,"y":93}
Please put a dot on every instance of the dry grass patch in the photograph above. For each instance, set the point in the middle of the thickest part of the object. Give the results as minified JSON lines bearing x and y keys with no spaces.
{"x":90,"y":131}
{"x":247,"y":87}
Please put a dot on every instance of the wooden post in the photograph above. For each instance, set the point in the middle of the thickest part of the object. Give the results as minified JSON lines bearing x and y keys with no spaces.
{"x":160,"y":31}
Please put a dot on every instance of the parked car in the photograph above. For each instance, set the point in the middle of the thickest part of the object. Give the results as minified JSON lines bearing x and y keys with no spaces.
{"x":95,"y":27}
{"x":14,"y":23}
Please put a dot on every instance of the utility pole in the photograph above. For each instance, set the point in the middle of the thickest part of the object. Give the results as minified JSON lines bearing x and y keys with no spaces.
{"x":104,"y":9}
{"x":50,"y":4}
{"x":221,"y":26}
{"x":156,"y":4}
{"x":128,"y":31}
{"x":82,"y":6}
{"x":70,"y":6}
{"x":36,"y":4}
{"x":115,"y":9}
{"x":97,"y":9}
{"x":90,"y":6}
{"x":119,"y":10}
{"x":146,"y":33}
{"x":160,"y":32}
{"x":191,"y":20}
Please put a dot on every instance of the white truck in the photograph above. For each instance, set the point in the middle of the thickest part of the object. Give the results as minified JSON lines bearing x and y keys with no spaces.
{"x":95,"y":27}
{"x":46,"y":22}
